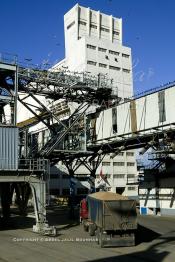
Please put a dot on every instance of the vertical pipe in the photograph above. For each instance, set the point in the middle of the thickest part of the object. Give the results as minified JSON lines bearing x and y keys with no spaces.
{"x":85,"y":135}
{"x":16,"y":96}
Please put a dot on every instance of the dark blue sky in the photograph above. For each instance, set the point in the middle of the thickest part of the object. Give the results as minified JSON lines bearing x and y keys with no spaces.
{"x":34,"y":29}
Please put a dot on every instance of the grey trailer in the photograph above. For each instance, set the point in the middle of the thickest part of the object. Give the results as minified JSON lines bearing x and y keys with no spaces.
{"x":113,"y":218}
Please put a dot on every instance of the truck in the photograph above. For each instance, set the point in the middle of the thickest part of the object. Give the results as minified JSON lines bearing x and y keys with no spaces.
{"x":111,"y":217}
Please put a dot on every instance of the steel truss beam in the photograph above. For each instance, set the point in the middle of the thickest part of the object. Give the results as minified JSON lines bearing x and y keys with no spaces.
{"x":81,"y":88}
{"x":70,"y":86}
{"x":133,"y":141}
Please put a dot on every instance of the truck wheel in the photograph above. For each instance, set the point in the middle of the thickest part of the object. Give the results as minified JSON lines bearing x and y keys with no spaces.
{"x":92,"y":229}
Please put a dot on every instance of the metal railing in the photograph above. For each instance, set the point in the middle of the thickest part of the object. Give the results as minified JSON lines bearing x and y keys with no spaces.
{"x":67,"y":77}
{"x":34,"y":164}
{"x":153,"y":90}
{"x":132,"y":180}
{"x":156,"y":155}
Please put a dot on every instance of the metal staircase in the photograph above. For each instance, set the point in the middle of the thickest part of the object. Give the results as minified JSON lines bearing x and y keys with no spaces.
{"x":62,"y":131}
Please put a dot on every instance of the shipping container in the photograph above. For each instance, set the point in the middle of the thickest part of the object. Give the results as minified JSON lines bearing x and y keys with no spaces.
{"x":8,"y":148}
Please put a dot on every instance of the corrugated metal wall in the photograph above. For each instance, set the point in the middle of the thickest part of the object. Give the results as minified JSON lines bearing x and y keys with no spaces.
{"x":8,"y":148}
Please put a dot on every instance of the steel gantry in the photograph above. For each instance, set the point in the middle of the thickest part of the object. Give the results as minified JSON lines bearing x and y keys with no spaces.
{"x":81,"y":137}
{"x":29,"y":84}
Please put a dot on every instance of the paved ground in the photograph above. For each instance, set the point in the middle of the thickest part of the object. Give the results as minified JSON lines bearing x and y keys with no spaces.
{"x":155,"y":241}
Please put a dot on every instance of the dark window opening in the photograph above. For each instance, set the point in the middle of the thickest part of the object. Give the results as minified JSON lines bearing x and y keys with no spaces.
{"x":161,"y":102}
{"x":120,"y":190}
{"x":114,"y":120}
{"x":70,"y":25}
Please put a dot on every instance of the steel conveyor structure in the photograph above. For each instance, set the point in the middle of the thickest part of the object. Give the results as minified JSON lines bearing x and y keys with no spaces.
{"x":100,"y":124}
{"x":144,"y":121}
{"x":30,"y":173}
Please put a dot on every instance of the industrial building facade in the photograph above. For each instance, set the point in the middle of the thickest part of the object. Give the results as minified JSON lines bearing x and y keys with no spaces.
{"x":93,"y":44}
{"x":118,"y":129}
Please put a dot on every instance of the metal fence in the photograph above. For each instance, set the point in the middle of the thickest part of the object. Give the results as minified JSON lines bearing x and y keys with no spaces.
{"x":34,"y":164}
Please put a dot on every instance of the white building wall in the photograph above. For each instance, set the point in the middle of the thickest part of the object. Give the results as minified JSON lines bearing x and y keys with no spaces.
{"x":93,"y":43}
{"x":91,"y":36}
{"x":163,"y":205}
{"x":103,"y":32}
{"x":147,"y":111}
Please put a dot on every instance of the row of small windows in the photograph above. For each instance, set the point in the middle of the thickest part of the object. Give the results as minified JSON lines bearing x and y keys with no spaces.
{"x":95,"y":27}
{"x":131,"y":176}
{"x":102,"y":65}
{"x":105,"y":29}
{"x":94,"y":47}
{"x":118,"y":163}
{"x":106,"y":163}
{"x":89,"y":62}
{"x":92,"y":26}
{"x":91,"y":46}
{"x":85,"y":178}
{"x":113,"y":52}
{"x":125,"y":55}
{"x":118,"y":176}
{"x":115,"y":32}
{"x":106,"y":56}
{"x":130,"y":164}
{"x":82,"y":22}
{"x":127,"y":154}
{"x":126,"y":70}
{"x":114,"y":68}
{"x":104,"y":51}
{"x":130,"y":153}
{"x":130,"y":188}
